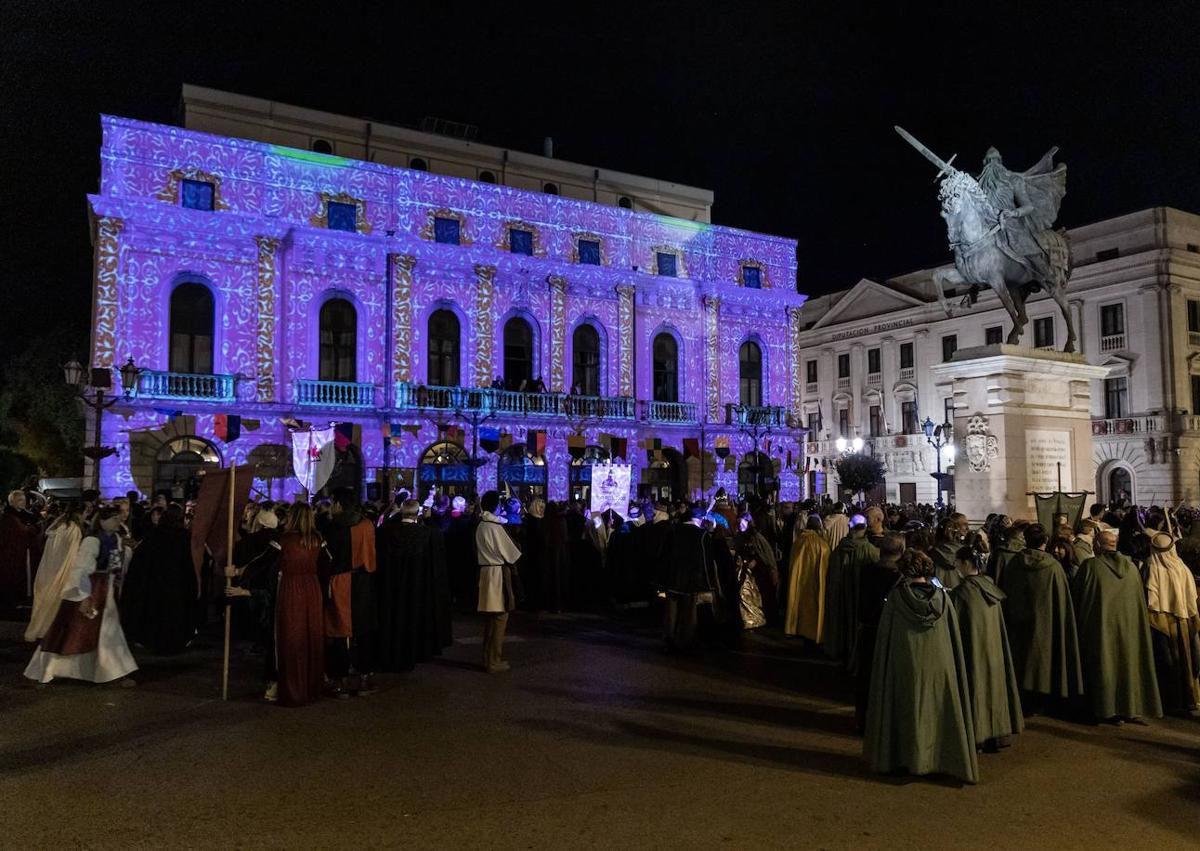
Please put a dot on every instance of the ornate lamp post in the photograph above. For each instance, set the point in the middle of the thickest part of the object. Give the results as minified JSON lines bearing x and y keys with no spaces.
{"x":941,"y":438}
{"x":92,"y":394}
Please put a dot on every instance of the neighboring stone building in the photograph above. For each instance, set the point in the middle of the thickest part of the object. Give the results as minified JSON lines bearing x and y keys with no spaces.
{"x":1135,"y":298}
{"x":279,"y":283}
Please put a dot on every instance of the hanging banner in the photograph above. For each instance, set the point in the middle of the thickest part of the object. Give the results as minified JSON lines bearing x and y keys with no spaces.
{"x":610,"y":488}
{"x":313,"y":457}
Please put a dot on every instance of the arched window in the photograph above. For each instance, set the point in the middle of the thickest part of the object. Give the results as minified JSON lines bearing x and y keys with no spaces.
{"x":444,"y":339}
{"x":418,"y":164}
{"x":750,"y":373}
{"x":322,"y":146}
{"x":339,"y":333}
{"x":192,"y":329}
{"x":585,"y":372}
{"x":666,"y":369}
{"x":518,"y":354}
{"x":487,"y":177}
{"x":550,"y":188}
{"x":1120,"y":485}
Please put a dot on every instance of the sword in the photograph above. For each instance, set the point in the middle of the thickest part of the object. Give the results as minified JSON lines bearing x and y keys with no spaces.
{"x":944,"y":167}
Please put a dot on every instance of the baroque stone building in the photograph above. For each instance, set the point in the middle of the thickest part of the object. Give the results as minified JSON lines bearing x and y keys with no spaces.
{"x":281,"y":284}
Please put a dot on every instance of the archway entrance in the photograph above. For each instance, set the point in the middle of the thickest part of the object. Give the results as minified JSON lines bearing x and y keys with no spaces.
{"x":581,"y":471}
{"x":1120,"y":485}
{"x":664,"y":478}
{"x":756,"y":474}
{"x":524,"y":474}
{"x":445,"y":466}
{"x":180,"y":464}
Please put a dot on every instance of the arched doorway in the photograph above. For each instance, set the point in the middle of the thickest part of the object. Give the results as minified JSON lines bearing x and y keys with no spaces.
{"x":756,"y":474}
{"x":445,"y":466}
{"x":664,"y":478}
{"x":180,"y":464}
{"x":581,"y":471}
{"x":1117,"y":485}
{"x":524,"y":474}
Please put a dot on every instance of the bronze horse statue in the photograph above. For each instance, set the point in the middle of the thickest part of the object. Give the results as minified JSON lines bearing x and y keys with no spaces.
{"x":1000,"y":229}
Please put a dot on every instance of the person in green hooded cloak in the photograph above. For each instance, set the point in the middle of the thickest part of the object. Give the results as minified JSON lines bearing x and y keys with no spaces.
{"x":849,"y":557}
{"x":1114,"y":636}
{"x":1040,"y":618}
{"x":919,"y":713}
{"x":995,"y":698}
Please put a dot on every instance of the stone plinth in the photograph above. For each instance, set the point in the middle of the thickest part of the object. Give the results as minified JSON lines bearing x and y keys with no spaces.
{"x":1019,"y":414}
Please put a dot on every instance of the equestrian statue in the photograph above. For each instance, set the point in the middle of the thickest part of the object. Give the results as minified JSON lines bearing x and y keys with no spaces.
{"x":1001,"y":229}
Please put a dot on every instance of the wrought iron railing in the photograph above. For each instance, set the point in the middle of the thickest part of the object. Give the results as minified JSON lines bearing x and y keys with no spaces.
{"x":334,"y":394}
{"x":185,"y":385}
{"x":755,"y":415}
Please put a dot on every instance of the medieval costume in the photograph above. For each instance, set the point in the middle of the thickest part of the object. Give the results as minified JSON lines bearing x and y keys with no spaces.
{"x":1175,"y":627}
{"x":300,"y":621}
{"x":943,"y":555}
{"x":351,"y":620}
{"x":756,"y":558}
{"x":20,"y":538}
{"x":413,"y":593}
{"x":991,"y":676}
{"x":158,"y":597}
{"x":691,"y":582}
{"x":1008,"y":547}
{"x":85,"y":641}
{"x":836,"y":527}
{"x":808,"y":576}
{"x":55,"y":569}
{"x":555,"y":573}
{"x":1114,"y":639}
{"x":841,"y":595}
{"x":1040,"y":618}
{"x":496,"y":554}
{"x":919,"y":715}
{"x":256,"y":557}
{"x":875,"y":582}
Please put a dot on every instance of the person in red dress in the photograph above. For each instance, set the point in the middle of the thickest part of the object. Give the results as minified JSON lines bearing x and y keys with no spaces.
{"x":299,"y":614}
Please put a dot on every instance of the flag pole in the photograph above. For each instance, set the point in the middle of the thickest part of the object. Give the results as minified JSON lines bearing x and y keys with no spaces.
{"x":228,"y":583}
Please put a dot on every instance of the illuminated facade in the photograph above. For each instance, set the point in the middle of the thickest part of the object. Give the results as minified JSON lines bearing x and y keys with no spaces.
{"x":246,"y":278}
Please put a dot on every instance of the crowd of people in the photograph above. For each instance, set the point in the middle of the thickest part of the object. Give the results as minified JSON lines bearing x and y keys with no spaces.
{"x":951,"y":635}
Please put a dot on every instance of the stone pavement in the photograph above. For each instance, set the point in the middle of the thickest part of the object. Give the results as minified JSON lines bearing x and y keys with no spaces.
{"x":596,"y":739}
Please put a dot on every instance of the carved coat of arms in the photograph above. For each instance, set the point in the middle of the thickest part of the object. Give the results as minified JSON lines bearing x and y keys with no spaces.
{"x":980,"y":444}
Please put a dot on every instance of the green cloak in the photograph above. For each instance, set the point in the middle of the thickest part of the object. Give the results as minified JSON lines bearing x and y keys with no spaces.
{"x":841,"y":596}
{"x":1001,"y":558}
{"x":995,"y":703}
{"x":945,"y":566}
{"x":1114,"y":639}
{"x":1041,"y":625}
{"x":919,"y":712}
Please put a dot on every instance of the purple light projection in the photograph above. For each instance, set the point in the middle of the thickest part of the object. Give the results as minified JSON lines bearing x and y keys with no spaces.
{"x":271,"y":263}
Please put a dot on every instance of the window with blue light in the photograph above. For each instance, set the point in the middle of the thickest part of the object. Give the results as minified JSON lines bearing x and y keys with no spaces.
{"x":197,"y":195}
{"x":446,"y":231}
{"x":589,"y":252}
{"x":752,"y":277}
{"x":343,"y":216}
{"x":520,"y":241}
{"x":666,"y":263}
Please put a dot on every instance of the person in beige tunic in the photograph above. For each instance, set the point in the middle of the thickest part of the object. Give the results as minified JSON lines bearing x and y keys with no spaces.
{"x":496,"y":554}
{"x":805,"y":614}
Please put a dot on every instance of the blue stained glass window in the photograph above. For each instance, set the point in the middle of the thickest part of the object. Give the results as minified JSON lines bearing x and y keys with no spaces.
{"x":666,"y":264}
{"x":589,"y":252}
{"x":752,"y":277}
{"x":446,"y":231}
{"x":520,"y":241}
{"x":197,"y":195}
{"x":343,"y":216}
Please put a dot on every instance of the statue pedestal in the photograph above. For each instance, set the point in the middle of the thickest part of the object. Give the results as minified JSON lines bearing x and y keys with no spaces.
{"x":1021,"y":417}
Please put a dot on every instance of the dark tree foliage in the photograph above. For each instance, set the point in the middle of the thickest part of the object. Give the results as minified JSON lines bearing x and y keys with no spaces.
{"x":860,"y":473}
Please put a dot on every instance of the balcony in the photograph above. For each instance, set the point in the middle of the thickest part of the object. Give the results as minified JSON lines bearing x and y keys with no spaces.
{"x":1194,"y":339}
{"x":908,"y":373}
{"x":810,"y":388}
{"x":153,"y":384}
{"x":843,"y":383}
{"x":755,"y":415}
{"x":874,"y":379}
{"x":1112,"y":342}
{"x":334,"y":394}
{"x":683,"y":413}
{"x":1128,"y":425}
{"x":514,"y":403}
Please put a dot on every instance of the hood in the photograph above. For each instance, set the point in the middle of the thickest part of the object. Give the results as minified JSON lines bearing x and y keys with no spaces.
{"x":349,"y":517}
{"x":987,"y":588}
{"x":921,"y":605}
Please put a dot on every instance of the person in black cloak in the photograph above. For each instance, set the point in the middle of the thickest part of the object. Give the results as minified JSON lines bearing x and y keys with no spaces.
{"x":158,"y":598}
{"x":413,"y":591}
{"x":533,"y":554}
{"x":460,"y":554}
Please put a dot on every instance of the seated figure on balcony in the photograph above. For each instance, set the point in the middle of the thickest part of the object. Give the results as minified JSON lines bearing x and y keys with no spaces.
{"x":539,"y":386}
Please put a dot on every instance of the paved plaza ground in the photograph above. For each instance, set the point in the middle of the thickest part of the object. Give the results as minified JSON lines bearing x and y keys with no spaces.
{"x":595,"y":739}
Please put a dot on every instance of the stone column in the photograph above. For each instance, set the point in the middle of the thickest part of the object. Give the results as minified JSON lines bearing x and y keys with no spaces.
{"x":558,"y":331}
{"x":1075,"y":305}
{"x":625,"y":343}
{"x":794,"y":360}
{"x":712,"y":357}
{"x":401,"y":267}
{"x":889,"y":364}
{"x":485,"y":277}
{"x":106,"y":297}
{"x":858,"y":376}
{"x":264,"y":353}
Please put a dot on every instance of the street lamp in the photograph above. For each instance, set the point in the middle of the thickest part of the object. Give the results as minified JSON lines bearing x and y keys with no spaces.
{"x":940,"y":437}
{"x":853,"y":445}
{"x":99,"y":381}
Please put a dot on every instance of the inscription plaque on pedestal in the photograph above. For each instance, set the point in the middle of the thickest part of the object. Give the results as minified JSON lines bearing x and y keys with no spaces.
{"x":1045,"y":450}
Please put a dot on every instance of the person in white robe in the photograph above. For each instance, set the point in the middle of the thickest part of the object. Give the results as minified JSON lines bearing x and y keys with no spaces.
{"x":85,"y":640}
{"x":54,"y":570}
{"x":496,"y":554}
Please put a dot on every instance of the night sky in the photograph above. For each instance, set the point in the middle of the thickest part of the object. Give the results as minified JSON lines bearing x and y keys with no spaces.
{"x":785,"y":112}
